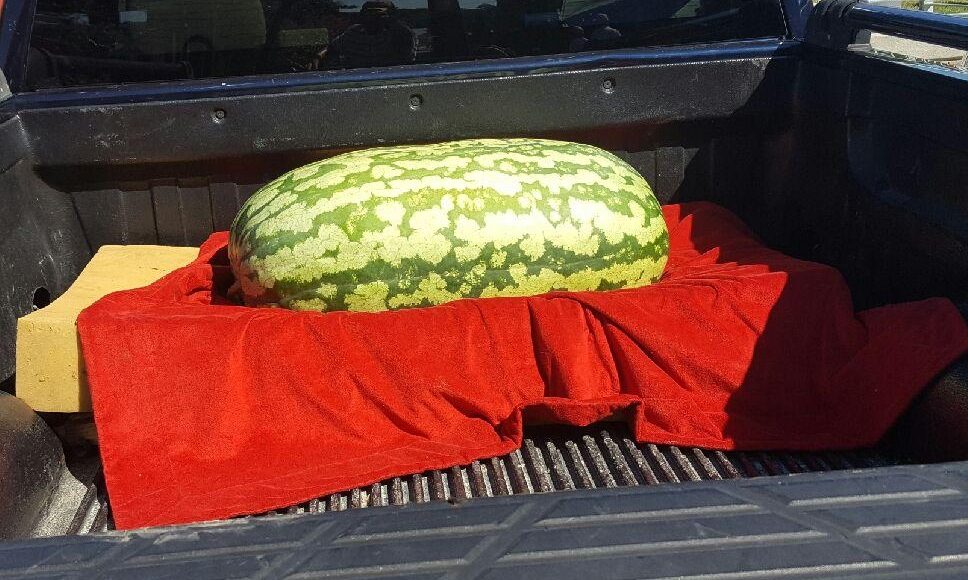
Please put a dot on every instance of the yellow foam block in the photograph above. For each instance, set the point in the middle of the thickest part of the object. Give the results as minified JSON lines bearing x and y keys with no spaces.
{"x":50,"y":371}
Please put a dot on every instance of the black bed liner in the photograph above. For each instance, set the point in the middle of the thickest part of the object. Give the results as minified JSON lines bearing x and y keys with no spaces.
{"x":551,"y":459}
{"x":909,"y":521}
{"x":557,"y":458}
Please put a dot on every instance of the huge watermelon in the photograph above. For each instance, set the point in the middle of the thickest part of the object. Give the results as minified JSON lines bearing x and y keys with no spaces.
{"x":398,"y":227}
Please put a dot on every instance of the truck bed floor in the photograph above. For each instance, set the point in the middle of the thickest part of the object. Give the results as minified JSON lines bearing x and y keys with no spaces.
{"x":551,"y":459}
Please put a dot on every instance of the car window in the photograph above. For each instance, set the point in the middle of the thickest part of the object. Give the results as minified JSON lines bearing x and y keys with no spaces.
{"x":90,"y":42}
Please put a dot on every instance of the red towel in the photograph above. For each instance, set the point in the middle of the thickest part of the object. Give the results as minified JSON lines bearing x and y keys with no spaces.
{"x":207,"y":410}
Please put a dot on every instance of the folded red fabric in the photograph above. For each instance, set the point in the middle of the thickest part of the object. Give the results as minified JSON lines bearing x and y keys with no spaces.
{"x":207,"y":410}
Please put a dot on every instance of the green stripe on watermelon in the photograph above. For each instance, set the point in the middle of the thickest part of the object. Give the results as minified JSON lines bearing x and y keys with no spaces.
{"x":421,"y":225}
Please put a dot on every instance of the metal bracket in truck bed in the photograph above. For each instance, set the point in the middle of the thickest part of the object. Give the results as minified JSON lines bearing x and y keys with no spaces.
{"x":891,"y":522}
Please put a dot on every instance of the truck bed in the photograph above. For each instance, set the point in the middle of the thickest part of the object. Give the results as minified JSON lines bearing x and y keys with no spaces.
{"x":894,"y":522}
{"x":551,"y":459}
{"x":829,"y":154}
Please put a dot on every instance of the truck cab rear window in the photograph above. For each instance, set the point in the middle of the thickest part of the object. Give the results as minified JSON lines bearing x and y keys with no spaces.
{"x":90,"y":42}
